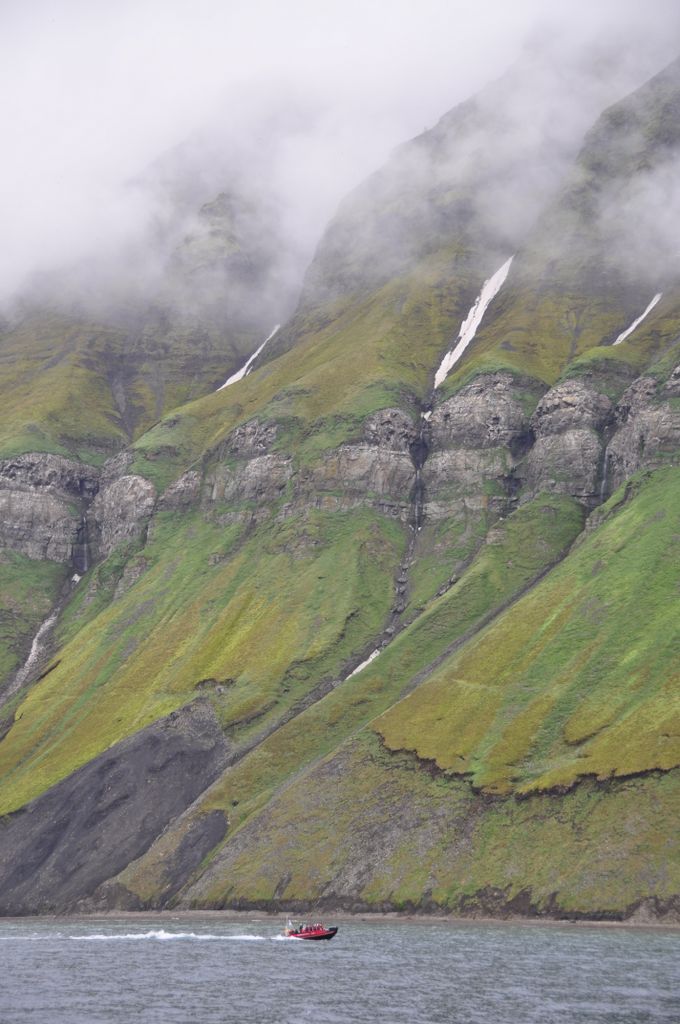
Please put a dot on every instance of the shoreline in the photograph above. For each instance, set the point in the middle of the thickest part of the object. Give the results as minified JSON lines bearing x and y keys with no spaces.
{"x":361,"y":917}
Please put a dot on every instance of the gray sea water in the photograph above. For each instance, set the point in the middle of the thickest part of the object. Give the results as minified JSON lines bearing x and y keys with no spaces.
{"x":205,"y":970}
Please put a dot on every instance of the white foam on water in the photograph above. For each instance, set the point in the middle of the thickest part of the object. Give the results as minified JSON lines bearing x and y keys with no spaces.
{"x":161,"y":935}
{"x":636,"y":323}
{"x":468,"y":328}
{"x":245,"y":369}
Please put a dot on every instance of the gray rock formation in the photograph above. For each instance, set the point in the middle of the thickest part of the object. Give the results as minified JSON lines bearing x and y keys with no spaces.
{"x":58,"y":849}
{"x":566,"y":457}
{"x":476,"y":439}
{"x":390,"y":429}
{"x":42,"y":501}
{"x":362,"y":471}
{"x":250,"y":439}
{"x":120,"y":512}
{"x":261,"y":480}
{"x":484,"y":414}
{"x":647,"y":431}
{"x":378,"y":470}
{"x":183,"y":493}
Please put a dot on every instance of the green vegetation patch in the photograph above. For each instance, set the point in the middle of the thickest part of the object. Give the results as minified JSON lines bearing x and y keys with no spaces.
{"x":519,"y":549}
{"x":578,"y":678}
{"x":85,"y":389}
{"x":28,"y":591}
{"x":538,"y":333}
{"x":250,"y":619}
{"x":378,"y":351}
{"x":376,"y":829}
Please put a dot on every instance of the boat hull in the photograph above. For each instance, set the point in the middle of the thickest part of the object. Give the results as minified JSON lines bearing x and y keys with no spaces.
{"x":317,"y":935}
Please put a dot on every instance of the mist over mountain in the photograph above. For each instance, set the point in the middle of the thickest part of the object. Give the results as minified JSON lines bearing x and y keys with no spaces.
{"x":108,"y":162}
{"x":340,"y":459}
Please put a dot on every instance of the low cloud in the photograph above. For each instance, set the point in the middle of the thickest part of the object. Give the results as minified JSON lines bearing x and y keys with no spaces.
{"x":126,"y":118}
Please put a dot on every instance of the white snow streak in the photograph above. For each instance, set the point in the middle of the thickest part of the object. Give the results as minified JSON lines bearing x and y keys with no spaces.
{"x":468,"y":328}
{"x":35,"y":653}
{"x":636,"y":323}
{"x":363,"y":664}
{"x":245,"y":369}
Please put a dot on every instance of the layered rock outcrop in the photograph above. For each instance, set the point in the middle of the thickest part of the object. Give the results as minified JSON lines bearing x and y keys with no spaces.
{"x":120,"y":512}
{"x":566,"y":456}
{"x":57,"y":509}
{"x":42,"y":501}
{"x":647,"y":433}
{"x":377,"y":470}
{"x":477,"y":438}
{"x":246,"y":472}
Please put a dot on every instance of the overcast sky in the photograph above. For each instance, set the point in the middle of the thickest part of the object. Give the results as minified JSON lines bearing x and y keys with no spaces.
{"x":93,"y":92}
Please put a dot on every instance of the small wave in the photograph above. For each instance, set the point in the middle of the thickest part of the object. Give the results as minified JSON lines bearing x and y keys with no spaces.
{"x":161,"y":935}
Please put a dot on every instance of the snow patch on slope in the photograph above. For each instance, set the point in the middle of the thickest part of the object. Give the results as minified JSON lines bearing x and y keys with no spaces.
{"x":636,"y":323}
{"x":36,"y":652}
{"x":363,"y":664}
{"x":474,"y":318}
{"x":245,"y":369}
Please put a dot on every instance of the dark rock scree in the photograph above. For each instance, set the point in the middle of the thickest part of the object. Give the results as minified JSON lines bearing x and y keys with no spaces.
{"x":58,"y":849}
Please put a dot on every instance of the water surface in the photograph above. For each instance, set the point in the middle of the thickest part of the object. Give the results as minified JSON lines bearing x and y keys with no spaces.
{"x":203,"y":970}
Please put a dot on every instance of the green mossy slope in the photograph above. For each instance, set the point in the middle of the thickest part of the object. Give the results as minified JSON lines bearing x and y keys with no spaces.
{"x":580,"y":677}
{"x":83,"y":389}
{"x":250,"y":621}
{"x":517,"y":553}
{"x":28,"y":593}
{"x":375,"y":353}
{"x":366,"y":829}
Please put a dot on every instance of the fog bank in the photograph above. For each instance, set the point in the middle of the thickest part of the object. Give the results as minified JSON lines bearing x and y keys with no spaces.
{"x":125,"y":119}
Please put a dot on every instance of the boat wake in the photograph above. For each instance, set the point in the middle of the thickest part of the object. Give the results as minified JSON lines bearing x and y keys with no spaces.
{"x":162,"y":936}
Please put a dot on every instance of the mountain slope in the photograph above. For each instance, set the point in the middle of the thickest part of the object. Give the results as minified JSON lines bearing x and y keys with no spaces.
{"x":429,"y":629}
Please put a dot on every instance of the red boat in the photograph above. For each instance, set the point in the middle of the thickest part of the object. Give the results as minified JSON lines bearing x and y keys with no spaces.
{"x":308,"y":931}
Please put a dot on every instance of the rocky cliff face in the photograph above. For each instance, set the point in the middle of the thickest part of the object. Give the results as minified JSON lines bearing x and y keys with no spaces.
{"x":59,"y":510}
{"x":377,"y":471}
{"x":42,"y":503}
{"x":480,"y":451}
{"x":566,"y":457}
{"x":477,"y":439}
{"x":120,"y":512}
{"x":647,"y":429}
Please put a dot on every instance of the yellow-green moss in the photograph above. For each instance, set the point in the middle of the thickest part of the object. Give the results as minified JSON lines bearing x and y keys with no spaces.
{"x":579,"y":678}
